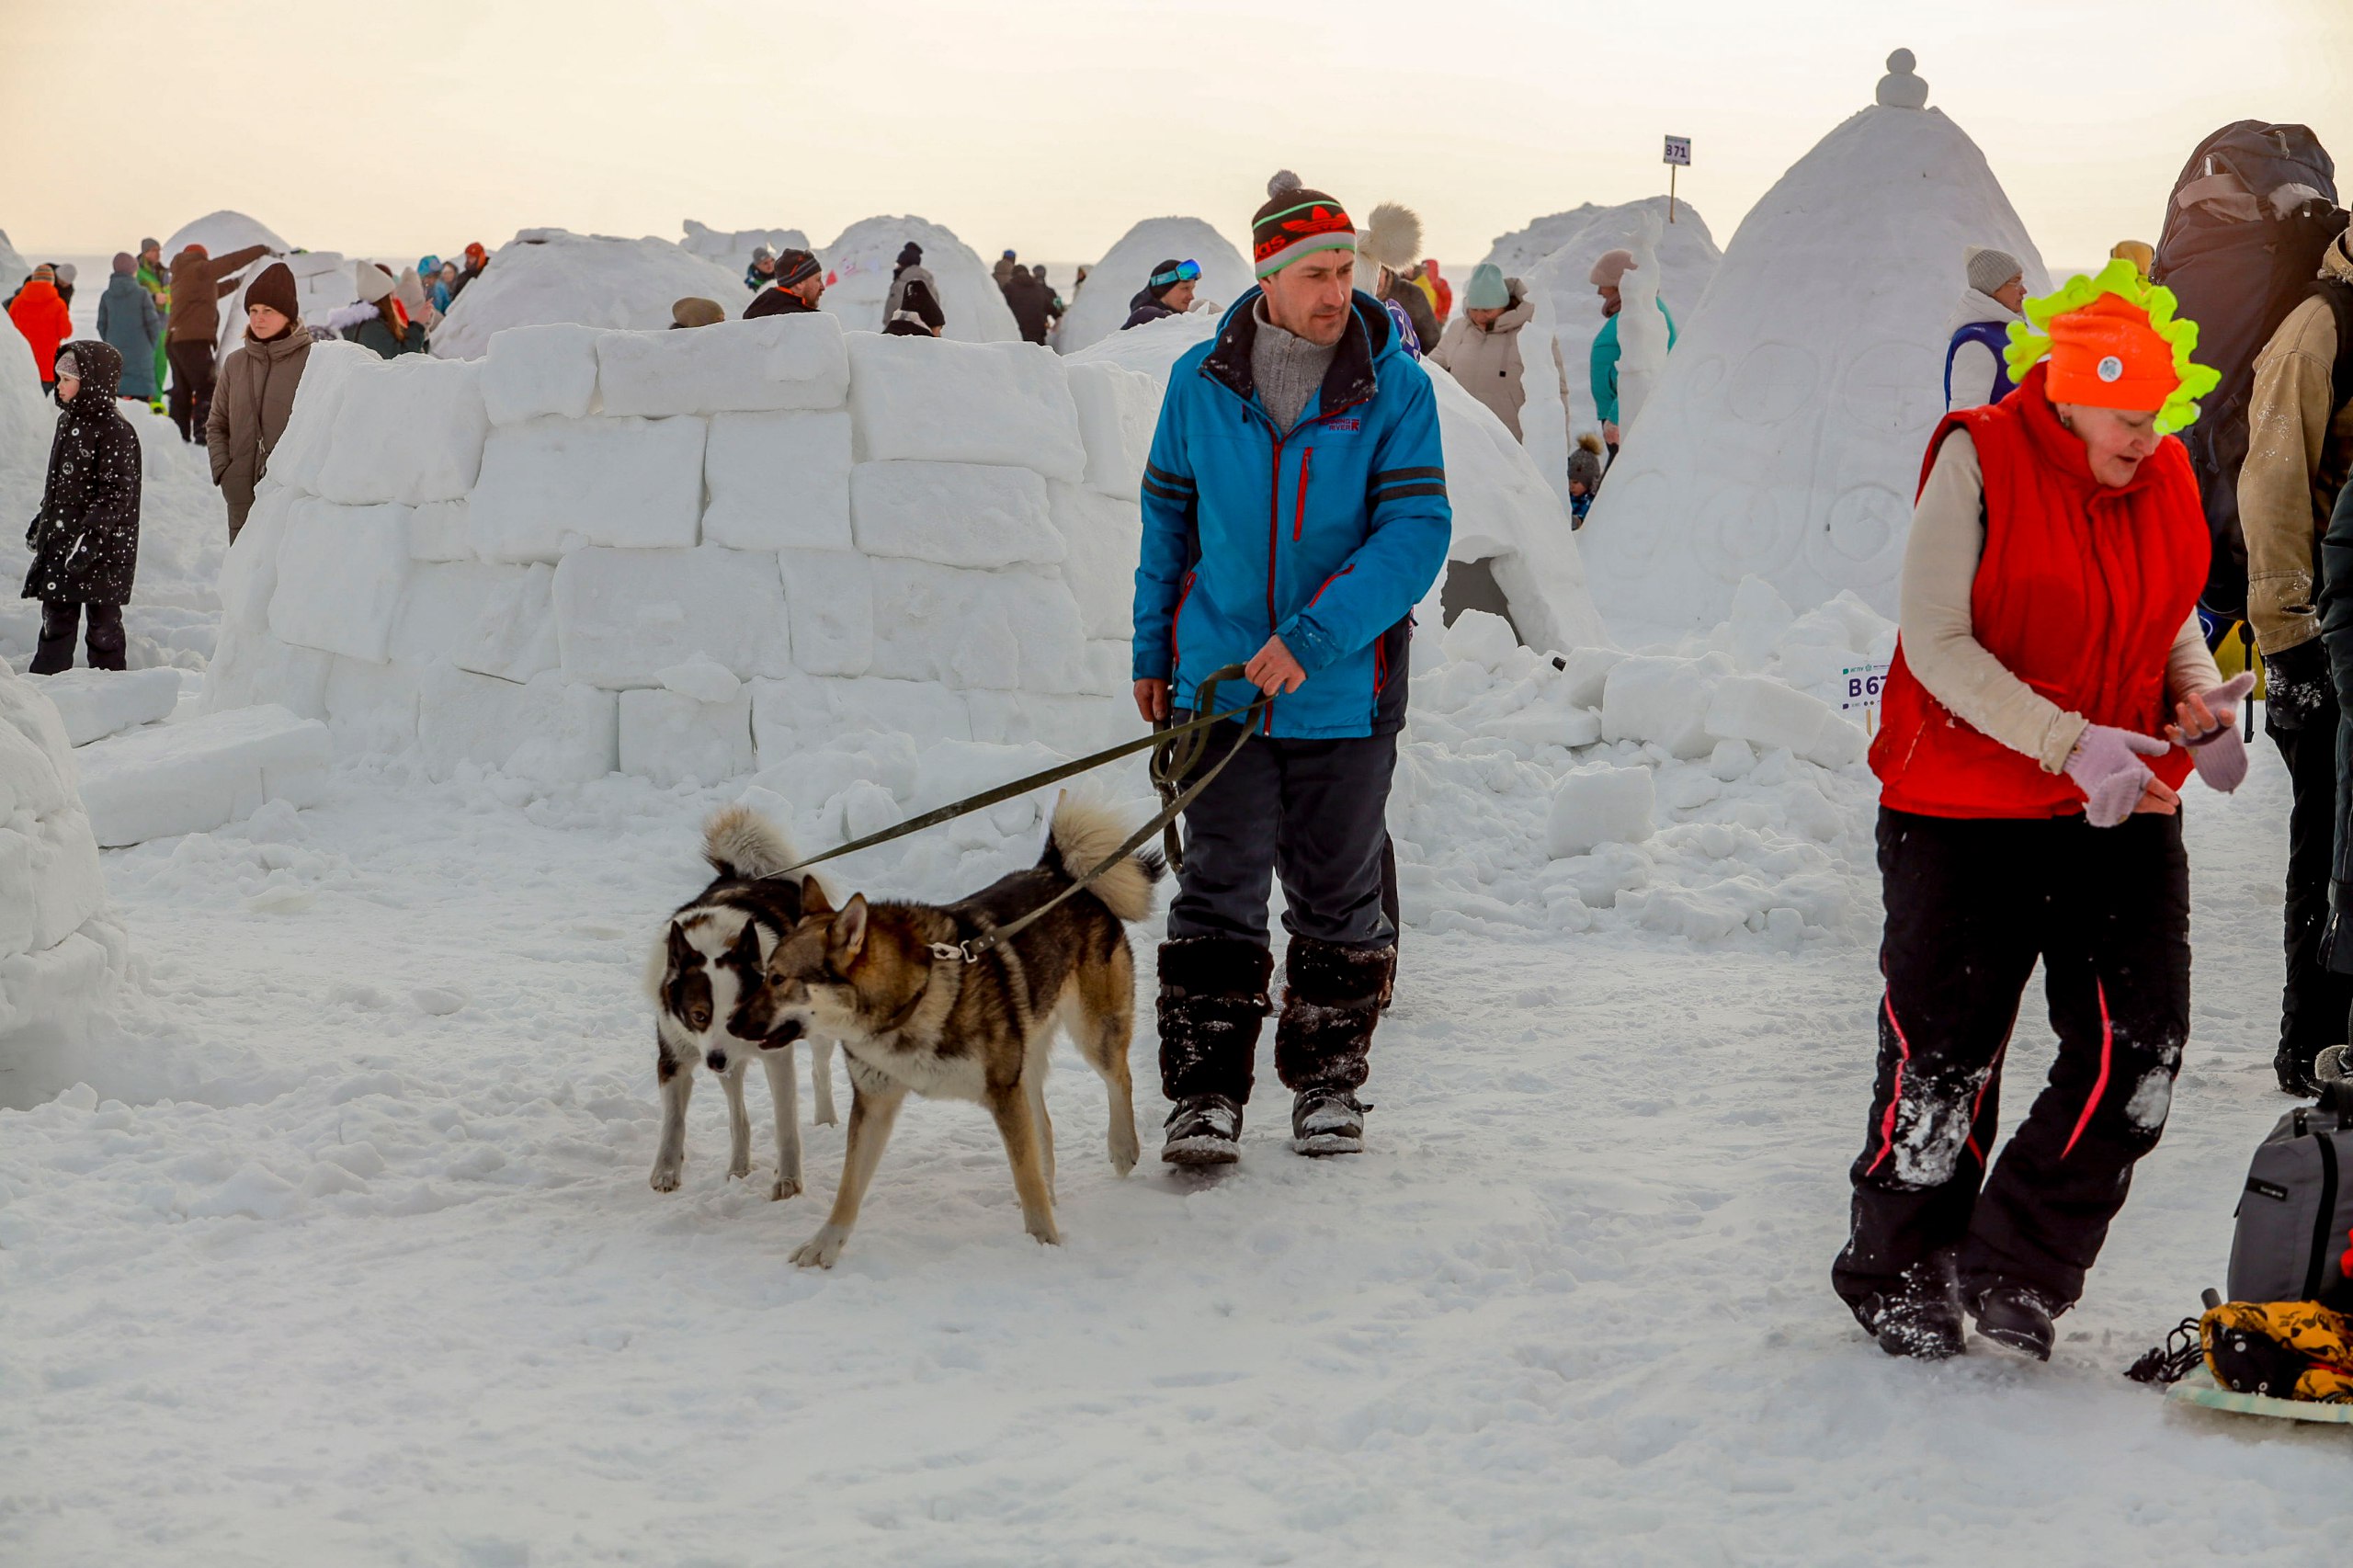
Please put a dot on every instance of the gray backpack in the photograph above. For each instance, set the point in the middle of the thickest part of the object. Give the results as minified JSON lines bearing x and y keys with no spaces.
{"x":2295,"y":1241}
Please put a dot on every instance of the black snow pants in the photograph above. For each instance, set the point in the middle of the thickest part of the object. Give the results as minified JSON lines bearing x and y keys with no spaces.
{"x":57,"y":619}
{"x":2316,"y":1001}
{"x":192,"y":395}
{"x":1971,"y":905}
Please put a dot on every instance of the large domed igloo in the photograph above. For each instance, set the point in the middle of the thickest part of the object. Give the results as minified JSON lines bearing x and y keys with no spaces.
{"x":733,"y":248}
{"x":1103,"y":304}
{"x":858,"y":279}
{"x":223,"y":231}
{"x":1783,"y":439}
{"x":547,"y":276}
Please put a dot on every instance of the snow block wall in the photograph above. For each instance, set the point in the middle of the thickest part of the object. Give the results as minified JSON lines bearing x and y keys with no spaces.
{"x":689,"y":554}
{"x":1103,"y":304}
{"x":61,"y":949}
{"x":1783,"y":438}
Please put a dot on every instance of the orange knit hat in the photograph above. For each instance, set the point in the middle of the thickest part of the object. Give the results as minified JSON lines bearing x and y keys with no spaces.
{"x":2108,"y":355}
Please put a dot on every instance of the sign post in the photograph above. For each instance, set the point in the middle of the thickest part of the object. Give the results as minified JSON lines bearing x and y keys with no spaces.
{"x":1678,"y":156}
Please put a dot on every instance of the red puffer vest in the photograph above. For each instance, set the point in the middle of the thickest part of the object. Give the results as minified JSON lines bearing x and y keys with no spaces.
{"x":2080,"y":593}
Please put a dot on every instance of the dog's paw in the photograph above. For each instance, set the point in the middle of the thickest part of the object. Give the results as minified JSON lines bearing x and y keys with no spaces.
{"x":783,"y":1190}
{"x":738,"y":1172}
{"x":1124,"y":1152}
{"x":666,"y":1178}
{"x":820,"y":1249}
{"x":828,"y":1118}
{"x":1046,"y":1232}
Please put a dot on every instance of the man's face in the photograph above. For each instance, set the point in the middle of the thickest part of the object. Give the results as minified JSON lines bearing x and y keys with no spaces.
{"x":2011,"y":296}
{"x":1180,"y":298}
{"x":1482,"y":319}
{"x":811,"y":289}
{"x":1609,"y":300}
{"x":1309,"y":299}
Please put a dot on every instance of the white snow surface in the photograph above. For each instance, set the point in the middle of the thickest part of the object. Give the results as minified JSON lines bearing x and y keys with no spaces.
{"x":1783,"y":439}
{"x":1108,"y":295}
{"x":545,"y":276}
{"x":860,"y":262}
{"x":14,"y":268}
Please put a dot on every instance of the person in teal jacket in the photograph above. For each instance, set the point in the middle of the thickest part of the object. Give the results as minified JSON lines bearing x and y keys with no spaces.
{"x":130,"y":323}
{"x":1607,"y":273}
{"x":1294,"y":513}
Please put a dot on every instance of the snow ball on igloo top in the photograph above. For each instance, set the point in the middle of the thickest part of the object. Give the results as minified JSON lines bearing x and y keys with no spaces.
{"x":61,"y":949}
{"x":544,"y":277}
{"x":220,"y":233}
{"x":1783,"y":438}
{"x":858,"y":279}
{"x":1505,"y":515}
{"x":1103,"y":304}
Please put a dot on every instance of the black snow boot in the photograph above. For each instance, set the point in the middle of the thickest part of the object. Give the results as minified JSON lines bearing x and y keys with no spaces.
{"x":2017,"y":1316}
{"x":1921,"y":1317}
{"x":1213,"y":1003}
{"x":1331,"y":999}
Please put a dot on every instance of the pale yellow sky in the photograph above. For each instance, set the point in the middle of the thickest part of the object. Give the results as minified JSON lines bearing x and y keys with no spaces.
{"x":1051,"y":125}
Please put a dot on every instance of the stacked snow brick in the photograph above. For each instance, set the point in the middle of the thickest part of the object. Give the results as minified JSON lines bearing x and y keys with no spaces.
{"x":61,"y":949}
{"x":691,"y":554}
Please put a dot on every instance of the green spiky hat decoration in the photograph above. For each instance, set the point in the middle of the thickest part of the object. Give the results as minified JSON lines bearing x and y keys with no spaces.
{"x":2030,"y":340}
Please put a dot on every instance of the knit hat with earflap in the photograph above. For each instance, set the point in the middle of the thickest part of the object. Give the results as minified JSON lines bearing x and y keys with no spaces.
{"x":1486,"y":291}
{"x":1989,"y":268}
{"x":1296,"y":221}
{"x":2114,"y":342}
{"x":1611,"y":269}
{"x":274,"y":287}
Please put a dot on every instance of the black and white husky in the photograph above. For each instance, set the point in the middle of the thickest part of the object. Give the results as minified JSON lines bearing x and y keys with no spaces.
{"x":708,"y":976}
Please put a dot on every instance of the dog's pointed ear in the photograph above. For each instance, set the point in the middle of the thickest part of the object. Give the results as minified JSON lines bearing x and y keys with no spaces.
{"x":682,"y":952}
{"x":748,"y":944}
{"x":849,"y":931}
{"x":812,"y":898}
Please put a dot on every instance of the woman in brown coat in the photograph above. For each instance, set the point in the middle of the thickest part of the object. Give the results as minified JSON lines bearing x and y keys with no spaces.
{"x":255,"y":393}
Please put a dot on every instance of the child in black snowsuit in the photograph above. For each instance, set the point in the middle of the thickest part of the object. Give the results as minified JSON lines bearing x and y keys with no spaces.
{"x":84,"y":539}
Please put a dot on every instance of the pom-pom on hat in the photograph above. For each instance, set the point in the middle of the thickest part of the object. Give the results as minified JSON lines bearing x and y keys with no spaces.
{"x":1296,"y":221}
{"x":2114,"y":342}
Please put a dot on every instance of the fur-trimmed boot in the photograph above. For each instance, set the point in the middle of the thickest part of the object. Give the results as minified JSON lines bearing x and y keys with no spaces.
{"x":1213,"y":1003}
{"x":1331,"y":999}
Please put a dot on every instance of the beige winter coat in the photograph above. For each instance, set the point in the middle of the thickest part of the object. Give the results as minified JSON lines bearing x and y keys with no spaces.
{"x":1487,"y":360}
{"x":250,"y":405}
{"x":2299,"y":452}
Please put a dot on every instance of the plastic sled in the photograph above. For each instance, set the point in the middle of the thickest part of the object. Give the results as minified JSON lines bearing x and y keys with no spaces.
{"x":2199,"y":1388}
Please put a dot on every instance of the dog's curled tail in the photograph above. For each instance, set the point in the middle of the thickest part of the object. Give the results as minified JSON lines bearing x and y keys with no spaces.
{"x":739,"y":842}
{"x":1082,"y":836}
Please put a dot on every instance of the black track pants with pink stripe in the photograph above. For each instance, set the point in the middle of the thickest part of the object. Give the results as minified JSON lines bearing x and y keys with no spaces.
{"x":1971,"y":905}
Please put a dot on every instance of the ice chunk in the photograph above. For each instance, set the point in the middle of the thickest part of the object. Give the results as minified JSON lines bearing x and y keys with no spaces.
{"x":1103,"y":539}
{"x":438,"y":530}
{"x":800,"y":713}
{"x":1661,"y":699}
{"x":1841,"y":743}
{"x":1481,"y":638}
{"x":985,"y":402}
{"x":623,"y":615}
{"x":554,"y":485}
{"x":955,"y":513}
{"x":768,"y":363}
{"x":705,"y":679}
{"x":1766,"y":712}
{"x":1599,"y":804}
{"x":992,"y":629}
{"x":1586,"y":670}
{"x":548,"y":730}
{"x":778,"y":480}
{"x":1118,"y":410}
{"x":97,"y":703}
{"x":341,"y":572}
{"x":669,"y":737}
{"x":532,"y":372}
{"x":830,"y":597}
{"x":1759,"y":616}
{"x":196,"y":775}
{"x":407,"y":429}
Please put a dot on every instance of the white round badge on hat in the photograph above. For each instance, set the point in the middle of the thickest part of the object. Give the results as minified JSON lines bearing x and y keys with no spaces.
{"x":2111,"y":368}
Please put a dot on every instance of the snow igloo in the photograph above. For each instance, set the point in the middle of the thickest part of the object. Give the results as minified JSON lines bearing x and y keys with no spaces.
{"x":544,"y":277}
{"x":1783,"y":438}
{"x":858,"y":264}
{"x":1102,"y":306}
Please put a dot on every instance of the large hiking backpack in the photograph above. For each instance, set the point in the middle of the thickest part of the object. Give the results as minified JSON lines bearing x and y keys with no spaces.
{"x":2250,"y":215}
{"x":2294,"y":1239}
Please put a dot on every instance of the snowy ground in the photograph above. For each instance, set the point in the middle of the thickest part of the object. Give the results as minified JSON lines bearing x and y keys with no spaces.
{"x":346,"y":1281}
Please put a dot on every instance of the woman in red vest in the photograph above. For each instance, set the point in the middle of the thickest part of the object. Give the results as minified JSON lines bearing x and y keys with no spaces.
{"x":2050,"y":692}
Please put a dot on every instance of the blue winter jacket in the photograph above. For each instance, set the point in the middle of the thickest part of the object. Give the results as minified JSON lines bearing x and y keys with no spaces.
{"x":1602,"y":365}
{"x":1327,"y":537}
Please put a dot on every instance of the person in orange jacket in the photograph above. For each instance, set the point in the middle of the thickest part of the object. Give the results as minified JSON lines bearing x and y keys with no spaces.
{"x":41,"y":313}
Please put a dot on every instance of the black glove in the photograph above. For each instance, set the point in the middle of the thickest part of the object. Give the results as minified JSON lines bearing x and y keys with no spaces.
{"x":2298,"y":686}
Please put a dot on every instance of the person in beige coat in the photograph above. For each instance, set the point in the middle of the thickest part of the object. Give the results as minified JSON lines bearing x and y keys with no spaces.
{"x":255,"y":394}
{"x":2300,"y":451}
{"x":1481,"y":346}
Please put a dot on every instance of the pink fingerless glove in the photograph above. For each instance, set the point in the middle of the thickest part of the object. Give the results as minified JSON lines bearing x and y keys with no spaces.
{"x":2106,"y":766}
{"x":2220,"y":752}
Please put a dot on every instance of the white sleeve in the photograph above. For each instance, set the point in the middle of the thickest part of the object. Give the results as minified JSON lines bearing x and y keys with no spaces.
{"x":1973,"y":375}
{"x":343,"y":316}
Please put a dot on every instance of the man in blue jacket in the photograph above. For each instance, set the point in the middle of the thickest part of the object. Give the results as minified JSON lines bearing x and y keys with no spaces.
{"x":1294,"y":513}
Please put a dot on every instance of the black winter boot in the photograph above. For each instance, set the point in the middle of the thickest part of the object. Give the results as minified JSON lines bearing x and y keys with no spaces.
{"x":104,"y":638}
{"x":1921,"y":1317}
{"x":55,"y":651}
{"x":2017,"y":1316}
{"x":1331,"y":999}
{"x":1213,"y":1003}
